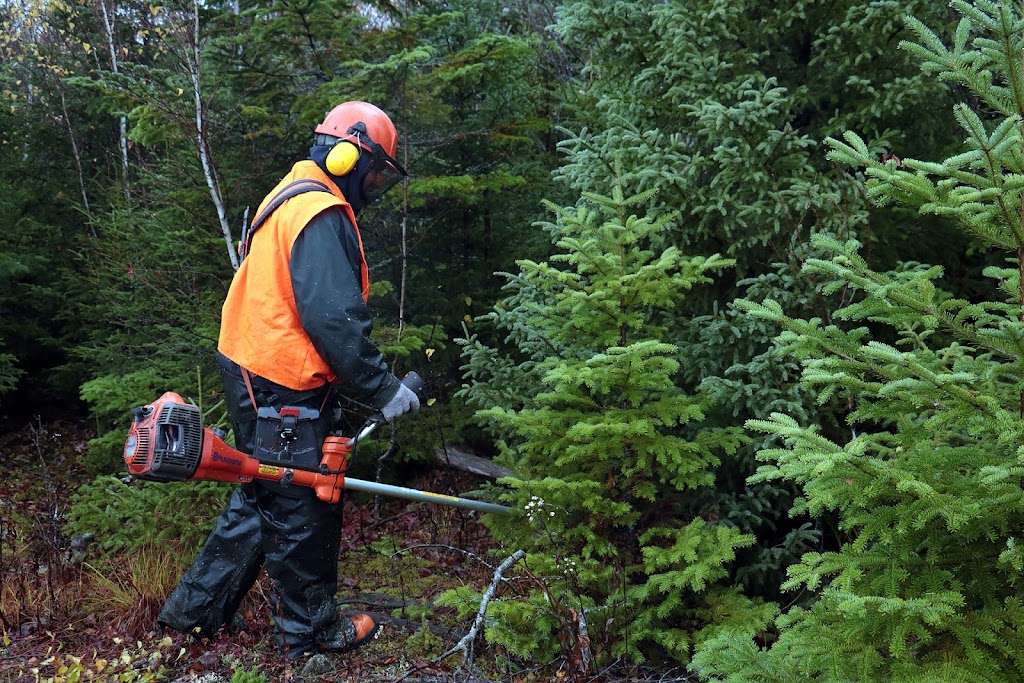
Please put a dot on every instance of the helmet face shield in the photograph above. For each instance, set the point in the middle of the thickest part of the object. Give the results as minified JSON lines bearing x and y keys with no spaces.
{"x":381,"y":177}
{"x":383,"y":173}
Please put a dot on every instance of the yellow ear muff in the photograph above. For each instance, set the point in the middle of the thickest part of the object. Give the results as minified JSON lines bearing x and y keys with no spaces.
{"x":342,"y":158}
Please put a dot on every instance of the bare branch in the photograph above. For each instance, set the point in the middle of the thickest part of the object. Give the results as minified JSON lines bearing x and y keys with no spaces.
{"x":465,"y":645}
{"x":193,"y":63}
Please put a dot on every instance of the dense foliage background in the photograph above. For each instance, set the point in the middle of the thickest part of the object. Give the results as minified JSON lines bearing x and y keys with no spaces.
{"x":732,"y":287}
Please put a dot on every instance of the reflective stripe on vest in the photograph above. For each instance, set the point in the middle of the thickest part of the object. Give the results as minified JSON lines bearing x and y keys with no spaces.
{"x":260,"y":325}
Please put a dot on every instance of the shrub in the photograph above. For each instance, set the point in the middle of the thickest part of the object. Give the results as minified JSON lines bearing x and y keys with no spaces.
{"x":127,"y":517}
{"x":607,"y":445}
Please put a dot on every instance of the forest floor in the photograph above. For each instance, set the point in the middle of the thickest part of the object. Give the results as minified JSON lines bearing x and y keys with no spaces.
{"x":69,"y":616}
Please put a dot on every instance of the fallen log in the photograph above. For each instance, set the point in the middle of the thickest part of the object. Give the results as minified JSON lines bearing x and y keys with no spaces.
{"x":451,"y":456}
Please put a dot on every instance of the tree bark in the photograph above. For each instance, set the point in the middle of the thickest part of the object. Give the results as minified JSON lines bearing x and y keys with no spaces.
{"x":203,"y":142}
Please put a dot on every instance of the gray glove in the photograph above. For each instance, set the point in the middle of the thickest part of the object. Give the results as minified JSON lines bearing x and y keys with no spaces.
{"x":405,"y":401}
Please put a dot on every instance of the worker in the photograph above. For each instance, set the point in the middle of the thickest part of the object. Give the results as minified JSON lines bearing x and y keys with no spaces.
{"x":295,"y":331}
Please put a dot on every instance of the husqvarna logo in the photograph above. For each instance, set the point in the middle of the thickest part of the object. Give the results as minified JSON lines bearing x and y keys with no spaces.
{"x":223,"y":458}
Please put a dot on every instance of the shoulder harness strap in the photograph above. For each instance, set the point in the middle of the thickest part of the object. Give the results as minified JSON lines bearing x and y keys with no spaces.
{"x":290,"y":190}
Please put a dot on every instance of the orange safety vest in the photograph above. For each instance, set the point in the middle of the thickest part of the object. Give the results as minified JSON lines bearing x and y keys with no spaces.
{"x":260,"y":326}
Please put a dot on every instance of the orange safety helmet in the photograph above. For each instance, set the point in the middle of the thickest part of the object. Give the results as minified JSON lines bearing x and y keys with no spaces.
{"x":354,"y":126}
{"x":378,"y":126}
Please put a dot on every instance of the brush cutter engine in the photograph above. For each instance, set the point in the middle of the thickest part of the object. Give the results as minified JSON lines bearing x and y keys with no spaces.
{"x":165,"y":442}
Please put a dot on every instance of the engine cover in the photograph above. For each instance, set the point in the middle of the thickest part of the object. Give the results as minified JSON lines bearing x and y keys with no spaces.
{"x":165,"y":442}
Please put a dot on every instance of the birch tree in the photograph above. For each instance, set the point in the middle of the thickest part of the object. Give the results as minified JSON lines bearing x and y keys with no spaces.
{"x":166,"y":95}
{"x":107,"y":19}
{"x":186,"y":45}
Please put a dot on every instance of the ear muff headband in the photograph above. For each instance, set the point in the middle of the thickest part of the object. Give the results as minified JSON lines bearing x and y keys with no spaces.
{"x":342,"y":158}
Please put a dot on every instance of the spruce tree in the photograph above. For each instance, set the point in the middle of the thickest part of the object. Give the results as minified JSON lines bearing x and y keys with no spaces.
{"x":926,"y":486}
{"x":50,"y":135}
{"x":602,"y":471}
{"x":721,"y":105}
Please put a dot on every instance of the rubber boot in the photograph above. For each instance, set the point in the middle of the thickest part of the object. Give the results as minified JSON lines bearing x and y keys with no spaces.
{"x":348,"y":633}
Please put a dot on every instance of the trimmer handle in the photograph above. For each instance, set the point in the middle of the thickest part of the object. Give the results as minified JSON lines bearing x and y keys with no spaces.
{"x":413,"y":381}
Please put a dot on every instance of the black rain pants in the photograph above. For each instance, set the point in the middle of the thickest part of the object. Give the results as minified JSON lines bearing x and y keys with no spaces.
{"x":285,"y":529}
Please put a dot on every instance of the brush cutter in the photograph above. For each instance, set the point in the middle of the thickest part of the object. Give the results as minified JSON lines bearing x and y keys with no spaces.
{"x":167,"y":442}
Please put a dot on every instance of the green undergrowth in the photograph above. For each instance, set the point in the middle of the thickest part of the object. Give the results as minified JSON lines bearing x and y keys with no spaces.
{"x":94,"y":618}
{"x":125,"y":516}
{"x":403,"y":582}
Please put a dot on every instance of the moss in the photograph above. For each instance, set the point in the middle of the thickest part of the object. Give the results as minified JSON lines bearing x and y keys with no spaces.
{"x":402,"y":575}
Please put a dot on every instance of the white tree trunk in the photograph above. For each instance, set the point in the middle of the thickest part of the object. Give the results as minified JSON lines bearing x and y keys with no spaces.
{"x":76,"y":153}
{"x":203,"y":143}
{"x":123,"y":122}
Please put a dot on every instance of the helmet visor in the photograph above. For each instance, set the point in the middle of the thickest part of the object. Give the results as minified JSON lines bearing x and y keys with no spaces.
{"x":383,"y":174}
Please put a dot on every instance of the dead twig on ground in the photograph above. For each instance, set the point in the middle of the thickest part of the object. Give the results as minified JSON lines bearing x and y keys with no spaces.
{"x":465,"y":644}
